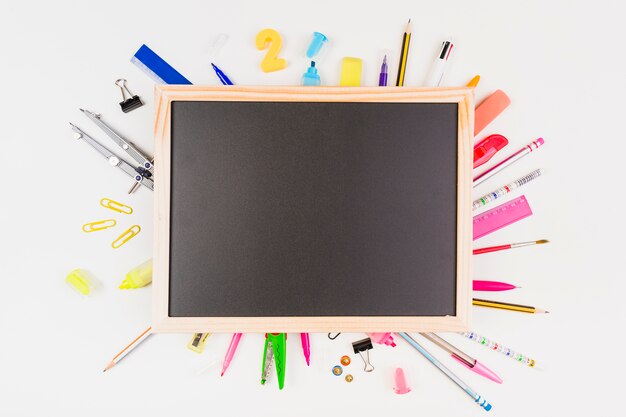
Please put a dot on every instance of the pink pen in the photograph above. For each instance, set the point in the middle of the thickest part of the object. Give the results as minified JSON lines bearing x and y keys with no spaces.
{"x":306,"y":347}
{"x":492,"y":286}
{"x":463,"y":358}
{"x":234,"y":342}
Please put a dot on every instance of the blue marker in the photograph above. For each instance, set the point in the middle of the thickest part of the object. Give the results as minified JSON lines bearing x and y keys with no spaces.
{"x":477,"y":398}
{"x":310,"y":77}
{"x":316,"y":45}
{"x":220,"y":74}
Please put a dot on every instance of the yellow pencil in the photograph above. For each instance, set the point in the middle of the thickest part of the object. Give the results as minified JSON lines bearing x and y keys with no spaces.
{"x":404,"y":54}
{"x":507,"y":306}
{"x":132,"y":345}
{"x":474,"y":81}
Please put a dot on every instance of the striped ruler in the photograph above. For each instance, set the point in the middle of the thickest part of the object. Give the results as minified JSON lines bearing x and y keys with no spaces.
{"x":501,"y":216}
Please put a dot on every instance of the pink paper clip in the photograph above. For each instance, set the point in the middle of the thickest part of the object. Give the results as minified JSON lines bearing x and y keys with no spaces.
{"x":382,"y":338}
{"x":401,"y":385}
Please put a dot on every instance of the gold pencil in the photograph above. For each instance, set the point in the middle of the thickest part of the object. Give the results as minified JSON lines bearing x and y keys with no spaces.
{"x":132,"y":345}
{"x":507,"y":306}
{"x":404,"y":54}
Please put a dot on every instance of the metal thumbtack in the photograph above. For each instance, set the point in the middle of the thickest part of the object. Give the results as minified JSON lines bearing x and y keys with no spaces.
{"x":130,"y":103}
{"x":364,"y":345}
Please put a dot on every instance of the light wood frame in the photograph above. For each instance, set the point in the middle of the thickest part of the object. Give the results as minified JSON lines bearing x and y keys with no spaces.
{"x":166,"y":94}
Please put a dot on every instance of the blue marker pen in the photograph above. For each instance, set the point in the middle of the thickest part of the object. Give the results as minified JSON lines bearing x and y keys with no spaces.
{"x":310,"y":77}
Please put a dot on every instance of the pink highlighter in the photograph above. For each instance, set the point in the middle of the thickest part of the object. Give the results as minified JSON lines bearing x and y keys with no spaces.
{"x":487,"y":148}
{"x":382,"y":338}
{"x":401,"y":386}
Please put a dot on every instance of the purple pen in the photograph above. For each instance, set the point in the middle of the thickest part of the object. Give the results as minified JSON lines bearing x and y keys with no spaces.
{"x":382,"y":79}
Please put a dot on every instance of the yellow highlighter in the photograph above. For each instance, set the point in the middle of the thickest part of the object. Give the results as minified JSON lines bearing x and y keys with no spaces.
{"x":81,"y":281}
{"x":351,"y":72}
{"x":138,"y":277}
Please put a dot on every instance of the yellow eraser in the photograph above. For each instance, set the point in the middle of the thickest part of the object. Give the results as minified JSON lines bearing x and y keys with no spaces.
{"x":351,"y":72}
{"x":138,"y":277}
{"x":81,"y":281}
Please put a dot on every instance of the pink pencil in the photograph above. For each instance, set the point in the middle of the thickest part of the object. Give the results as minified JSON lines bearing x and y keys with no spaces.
{"x":234,"y":342}
{"x":508,"y":161}
{"x":492,"y":286}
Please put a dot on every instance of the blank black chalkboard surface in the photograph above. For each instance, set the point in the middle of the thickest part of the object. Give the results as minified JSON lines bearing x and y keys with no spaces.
{"x":297,"y":209}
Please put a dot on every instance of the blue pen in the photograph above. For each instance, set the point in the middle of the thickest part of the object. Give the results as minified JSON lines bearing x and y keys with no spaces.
{"x":220,"y":74}
{"x":477,"y":398}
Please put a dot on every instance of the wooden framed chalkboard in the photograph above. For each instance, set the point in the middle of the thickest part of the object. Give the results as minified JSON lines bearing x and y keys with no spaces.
{"x":298,"y":209}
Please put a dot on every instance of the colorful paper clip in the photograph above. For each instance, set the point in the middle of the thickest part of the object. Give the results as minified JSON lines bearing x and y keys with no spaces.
{"x":197,"y":342}
{"x":115,"y":206}
{"x":126,"y":236}
{"x":99,"y":225}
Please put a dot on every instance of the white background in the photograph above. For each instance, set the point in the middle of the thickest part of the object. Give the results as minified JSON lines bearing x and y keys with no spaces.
{"x":562,"y":64}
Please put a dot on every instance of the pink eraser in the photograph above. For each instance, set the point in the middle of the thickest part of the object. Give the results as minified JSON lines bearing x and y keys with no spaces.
{"x":480,"y":369}
{"x":489,"y":109}
{"x":401,"y":385}
{"x":382,"y":338}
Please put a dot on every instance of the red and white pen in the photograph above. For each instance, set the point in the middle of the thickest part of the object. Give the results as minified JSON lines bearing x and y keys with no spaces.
{"x":478,"y":285}
{"x":463,"y":358}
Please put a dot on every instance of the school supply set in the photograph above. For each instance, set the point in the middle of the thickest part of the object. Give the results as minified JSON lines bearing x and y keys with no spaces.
{"x":275,"y":346}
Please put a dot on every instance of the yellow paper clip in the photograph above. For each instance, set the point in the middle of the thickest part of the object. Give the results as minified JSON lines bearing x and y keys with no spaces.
{"x":99,"y":225}
{"x":126,"y":236}
{"x":115,"y":206}
{"x":197,"y":342}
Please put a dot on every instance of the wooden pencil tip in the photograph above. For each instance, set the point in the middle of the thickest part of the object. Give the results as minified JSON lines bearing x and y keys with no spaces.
{"x":542,"y":241}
